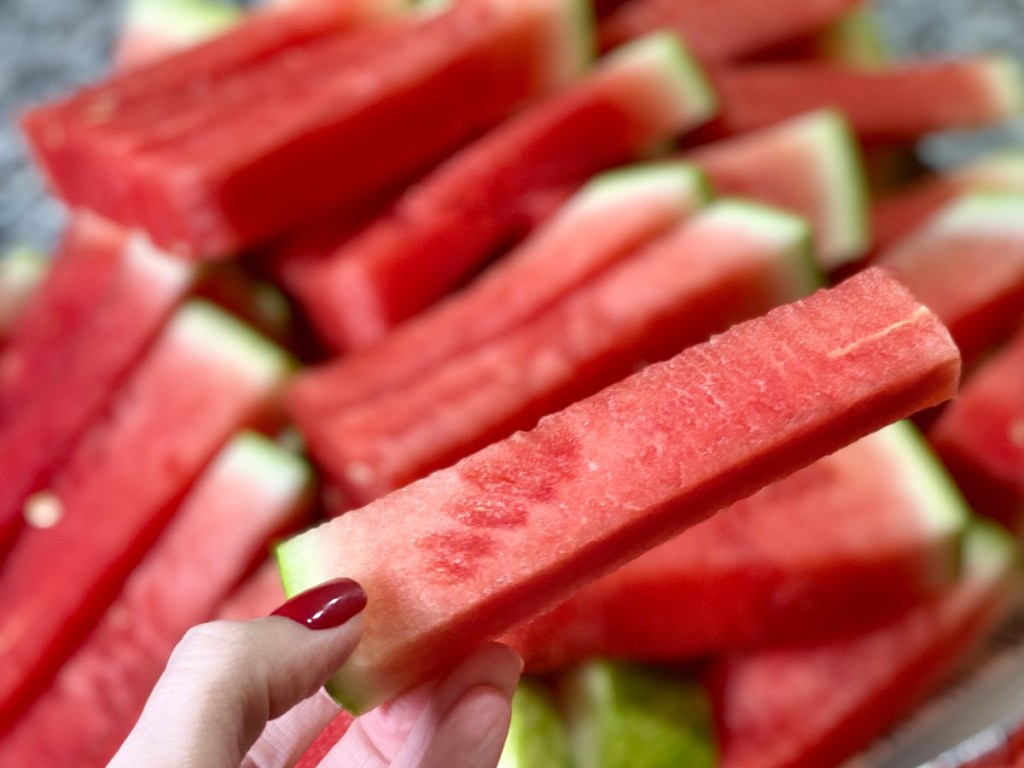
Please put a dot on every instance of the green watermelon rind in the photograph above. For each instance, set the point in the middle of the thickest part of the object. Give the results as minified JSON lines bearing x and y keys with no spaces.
{"x":277,"y":471}
{"x":676,"y":180}
{"x":932,"y":493}
{"x":628,"y":715}
{"x":979,"y":213}
{"x":1000,"y":171}
{"x":182,"y":20}
{"x":537,"y":735}
{"x":784,"y":235}
{"x":573,"y":44}
{"x":856,"y":40}
{"x":844,"y":180}
{"x":991,"y":553}
{"x":1006,"y":82}
{"x":208,"y":329}
{"x":686,"y":88}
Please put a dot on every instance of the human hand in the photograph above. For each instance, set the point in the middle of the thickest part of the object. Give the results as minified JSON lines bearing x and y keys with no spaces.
{"x":250,"y":694}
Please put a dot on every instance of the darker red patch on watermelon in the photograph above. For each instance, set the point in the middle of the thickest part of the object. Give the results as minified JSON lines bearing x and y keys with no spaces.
{"x":525,"y":479}
{"x":455,"y":556}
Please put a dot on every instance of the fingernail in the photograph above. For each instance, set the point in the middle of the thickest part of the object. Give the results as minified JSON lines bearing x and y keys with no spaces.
{"x":326,"y":606}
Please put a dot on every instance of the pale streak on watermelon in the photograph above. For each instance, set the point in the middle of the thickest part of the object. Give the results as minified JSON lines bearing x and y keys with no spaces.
{"x":816,"y":705}
{"x":470,"y":551}
{"x":723,"y":30}
{"x":897,"y":215}
{"x":206,"y":377}
{"x":980,"y":436}
{"x":893,"y":105}
{"x":325,"y":116}
{"x":152,"y":29}
{"x":22,"y":271}
{"x":81,"y":271}
{"x":845,"y":542}
{"x":810,"y":165}
{"x":63,"y":401}
{"x":446,"y":226}
{"x":730,"y":262}
{"x":967,"y":266}
{"x":627,"y":207}
{"x":249,"y":494}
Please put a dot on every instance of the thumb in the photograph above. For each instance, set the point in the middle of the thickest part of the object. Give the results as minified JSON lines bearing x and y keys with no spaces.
{"x":226,"y":680}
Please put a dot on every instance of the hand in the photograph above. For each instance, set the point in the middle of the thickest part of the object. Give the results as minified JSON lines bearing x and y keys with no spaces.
{"x":250,"y":694}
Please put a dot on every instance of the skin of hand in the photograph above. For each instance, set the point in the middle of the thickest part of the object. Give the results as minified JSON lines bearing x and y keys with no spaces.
{"x":250,"y":694}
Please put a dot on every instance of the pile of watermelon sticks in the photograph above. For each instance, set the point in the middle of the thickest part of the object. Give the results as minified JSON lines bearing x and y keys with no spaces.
{"x":625,"y":331}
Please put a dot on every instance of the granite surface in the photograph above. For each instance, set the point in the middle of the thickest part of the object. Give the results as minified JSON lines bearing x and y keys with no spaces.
{"x":49,"y":46}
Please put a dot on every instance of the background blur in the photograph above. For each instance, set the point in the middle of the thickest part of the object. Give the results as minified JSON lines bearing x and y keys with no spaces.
{"x":49,"y":46}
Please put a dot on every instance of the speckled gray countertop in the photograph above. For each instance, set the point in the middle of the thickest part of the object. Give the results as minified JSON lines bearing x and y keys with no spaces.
{"x":49,"y":46}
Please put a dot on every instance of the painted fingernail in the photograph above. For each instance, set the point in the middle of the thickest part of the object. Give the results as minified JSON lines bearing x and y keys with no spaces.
{"x":326,"y":606}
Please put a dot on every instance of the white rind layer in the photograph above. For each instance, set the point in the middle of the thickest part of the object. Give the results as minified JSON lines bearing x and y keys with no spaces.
{"x":980,"y":213}
{"x":671,"y":181}
{"x":256,"y":461}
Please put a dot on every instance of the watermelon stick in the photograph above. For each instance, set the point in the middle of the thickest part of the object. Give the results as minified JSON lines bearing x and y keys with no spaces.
{"x":723,"y":30}
{"x":843,"y":543}
{"x":443,"y":229}
{"x":819,"y":704}
{"x":469,"y":551}
{"x":629,"y":207}
{"x":22,"y":270}
{"x":251,"y":492}
{"x":892,"y":105}
{"x":732,"y":261}
{"x":152,"y":29}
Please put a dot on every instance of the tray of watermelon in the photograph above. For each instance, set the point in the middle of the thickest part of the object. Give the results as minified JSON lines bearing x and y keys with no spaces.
{"x":632,"y":333}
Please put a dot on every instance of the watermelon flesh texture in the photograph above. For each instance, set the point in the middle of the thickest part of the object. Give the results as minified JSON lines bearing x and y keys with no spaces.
{"x":203,"y":379}
{"x":251,"y":492}
{"x":725,"y":30}
{"x":818,"y":705}
{"x":297,"y":90}
{"x":730,"y":262}
{"x":967,"y":266}
{"x":22,"y":270}
{"x":81,"y":272}
{"x":809,"y":165}
{"x":442,"y":230}
{"x":629,"y":207}
{"x":481,"y":546}
{"x":846,"y":542}
{"x":980,"y":436}
{"x":899,"y":214}
{"x":61,"y":403}
{"x":894,"y":105}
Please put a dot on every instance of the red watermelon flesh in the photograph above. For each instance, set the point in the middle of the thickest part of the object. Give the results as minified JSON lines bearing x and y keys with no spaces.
{"x":82,"y":270}
{"x":61,"y":402}
{"x":629,"y":207}
{"x":730,"y":262}
{"x":839,"y":545}
{"x":723,"y":30}
{"x":809,"y":165}
{"x":309,"y":110}
{"x":258,"y":596}
{"x":204,"y":378}
{"x":818,"y":705}
{"x":470,"y":551}
{"x":251,"y":492}
{"x":967,"y":266}
{"x":980,"y":436}
{"x":898,"y":215}
{"x":897,"y":104}
{"x":443,"y":229}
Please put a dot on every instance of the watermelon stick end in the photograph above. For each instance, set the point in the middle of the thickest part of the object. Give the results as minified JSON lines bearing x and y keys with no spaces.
{"x":1007,"y":83}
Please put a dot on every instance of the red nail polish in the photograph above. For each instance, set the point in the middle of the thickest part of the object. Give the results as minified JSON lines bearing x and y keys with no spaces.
{"x":326,"y":606}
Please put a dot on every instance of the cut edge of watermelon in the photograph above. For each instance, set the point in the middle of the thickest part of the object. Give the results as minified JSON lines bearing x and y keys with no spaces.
{"x":673,"y":180}
{"x":165,"y":269}
{"x":181,"y":20}
{"x":1000,"y":171}
{"x":280,"y":473}
{"x":856,"y":39}
{"x":982,"y":212}
{"x":572,"y":45}
{"x":1006,"y":83}
{"x":784,"y":235}
{"x":991,"y":553}
{"x":844,"y":180}
{"x":686,"y":89}
{"x":935,"y":497}
{"x":206,"y":329}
